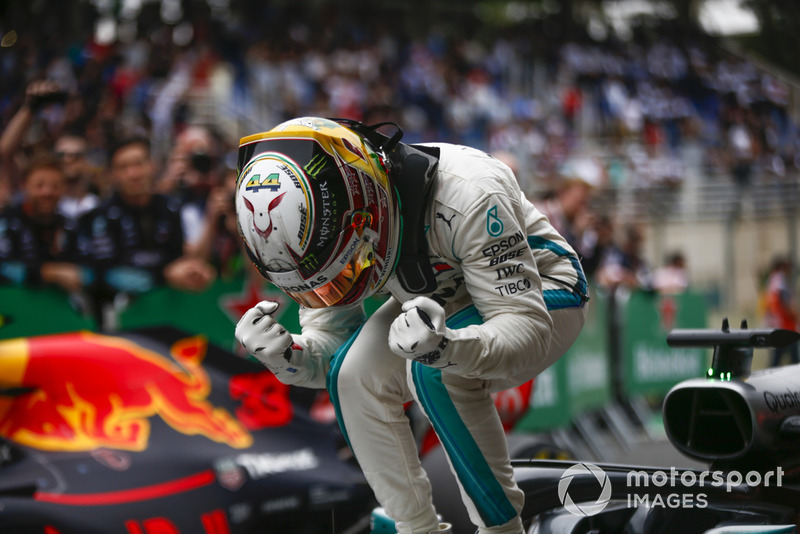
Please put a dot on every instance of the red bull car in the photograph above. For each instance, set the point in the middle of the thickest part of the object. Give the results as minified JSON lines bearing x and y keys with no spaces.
{"x":158,"y":432}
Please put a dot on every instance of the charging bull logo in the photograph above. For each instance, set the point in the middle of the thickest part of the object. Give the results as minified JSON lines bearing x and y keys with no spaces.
{"x":81,"y":391}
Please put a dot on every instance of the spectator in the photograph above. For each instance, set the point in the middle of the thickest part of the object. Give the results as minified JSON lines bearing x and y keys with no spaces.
{"x":781,"y":307}
{"x":624,"y":265}
{"x":219,"y":241}
{"x":742,"y":146}
{"x":38,"y":96}
{"x":37,"y":244}
{"x":190,"y":161}
{"x":78,"y":199}
{"x":571,"y":106}
{"x":595,"y":245}
{"x":672,"y":277}
{"x":569,"y":213}
{"x":134,"y":239}
{"x":566,"y":208}
{"x":190,"y":175}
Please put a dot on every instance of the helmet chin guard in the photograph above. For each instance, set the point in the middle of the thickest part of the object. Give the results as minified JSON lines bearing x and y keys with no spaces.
{"x":316,"y":211}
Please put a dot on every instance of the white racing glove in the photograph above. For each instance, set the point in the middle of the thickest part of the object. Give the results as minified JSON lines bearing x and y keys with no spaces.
{"x":269,"y":342}
{"x":419,"y":332}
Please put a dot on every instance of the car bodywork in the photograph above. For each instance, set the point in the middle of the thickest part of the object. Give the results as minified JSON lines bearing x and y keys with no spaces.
{"x":155,"y":431}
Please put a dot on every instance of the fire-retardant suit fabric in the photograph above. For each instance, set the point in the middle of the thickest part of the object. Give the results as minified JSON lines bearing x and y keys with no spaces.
{"x":514,"y":295}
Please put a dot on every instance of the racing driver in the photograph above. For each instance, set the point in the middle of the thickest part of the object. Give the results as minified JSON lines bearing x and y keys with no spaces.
{"x":483,"y":293}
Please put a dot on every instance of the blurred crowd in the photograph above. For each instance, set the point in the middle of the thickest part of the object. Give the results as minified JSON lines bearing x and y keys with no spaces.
{"x":96,"y":243}
{"x":113,"y":180}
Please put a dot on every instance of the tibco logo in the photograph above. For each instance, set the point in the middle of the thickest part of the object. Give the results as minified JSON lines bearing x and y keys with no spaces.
{"x":584,"y":507}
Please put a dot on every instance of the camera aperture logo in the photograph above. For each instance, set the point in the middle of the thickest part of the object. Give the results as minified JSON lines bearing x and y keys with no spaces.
{"x":580,"y":485}
{"x":584,"y":507}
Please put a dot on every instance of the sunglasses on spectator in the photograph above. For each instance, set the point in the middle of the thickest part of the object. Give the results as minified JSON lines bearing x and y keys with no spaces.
{"x":64,"y":155}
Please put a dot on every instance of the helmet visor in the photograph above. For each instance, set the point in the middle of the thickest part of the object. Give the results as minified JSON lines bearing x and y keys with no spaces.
{"x":351,"y":270}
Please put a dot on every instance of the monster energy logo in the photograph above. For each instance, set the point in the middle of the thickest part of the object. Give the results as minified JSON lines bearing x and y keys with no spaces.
{"x":309,"y":262}
{"x":315,"y":166}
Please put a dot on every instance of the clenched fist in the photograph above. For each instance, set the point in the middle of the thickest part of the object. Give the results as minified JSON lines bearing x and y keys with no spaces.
{"x":419,"y":332}
{"x":268,"y":341}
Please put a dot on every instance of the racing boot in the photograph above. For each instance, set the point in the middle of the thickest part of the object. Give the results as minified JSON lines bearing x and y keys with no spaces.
{"x":444,"y":528}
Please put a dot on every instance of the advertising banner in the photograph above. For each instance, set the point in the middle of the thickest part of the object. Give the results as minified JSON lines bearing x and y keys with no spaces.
{"x":213,"y":313}
{"x":649,"y":365}
{"x":579,"y":382}
{"x":35,"y":311}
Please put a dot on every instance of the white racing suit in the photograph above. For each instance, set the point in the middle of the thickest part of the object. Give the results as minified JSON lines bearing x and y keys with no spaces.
{"x":514,"y":295}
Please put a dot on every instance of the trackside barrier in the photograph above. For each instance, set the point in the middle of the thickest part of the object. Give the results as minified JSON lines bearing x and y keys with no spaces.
{"x":579,"y":383}
{"x":648,"y":365}
{"x":35,"y":311}
{"x":582,"y":381}
{"x":214,"y":312}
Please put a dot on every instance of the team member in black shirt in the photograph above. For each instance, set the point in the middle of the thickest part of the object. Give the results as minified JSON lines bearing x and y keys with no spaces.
{"x":37,"y":244}
{"x":134,"y":239}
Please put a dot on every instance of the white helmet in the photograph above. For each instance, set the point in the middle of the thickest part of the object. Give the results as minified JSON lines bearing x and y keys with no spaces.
{"x":316,"y":211}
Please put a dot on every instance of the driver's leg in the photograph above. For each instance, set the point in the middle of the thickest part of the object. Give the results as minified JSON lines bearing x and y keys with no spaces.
{"x":367,"y":386}
{"x":465,"y":419}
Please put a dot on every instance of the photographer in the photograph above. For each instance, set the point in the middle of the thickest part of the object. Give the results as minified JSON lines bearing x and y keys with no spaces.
{"x":38,"y":96}
{"x":190,"y":175}
{"x":219,"y":241}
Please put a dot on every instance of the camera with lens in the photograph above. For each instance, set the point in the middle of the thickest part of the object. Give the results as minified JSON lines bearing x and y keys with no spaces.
{"x":37,"y":102}
{"x":200,"y":161}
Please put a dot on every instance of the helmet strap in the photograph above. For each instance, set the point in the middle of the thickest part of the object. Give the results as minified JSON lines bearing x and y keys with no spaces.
{"x":414,"y":171}
{"x":381,"y":142}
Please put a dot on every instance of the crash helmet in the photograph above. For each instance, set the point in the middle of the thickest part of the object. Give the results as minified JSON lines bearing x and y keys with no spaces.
{"x":316,"y":210}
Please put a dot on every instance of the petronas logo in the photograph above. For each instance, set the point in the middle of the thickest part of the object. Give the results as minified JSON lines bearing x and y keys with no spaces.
{"x":494,"y":226}
{"x":315,"y":166}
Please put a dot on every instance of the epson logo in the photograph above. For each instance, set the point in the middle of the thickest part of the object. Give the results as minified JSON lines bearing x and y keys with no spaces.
{"x":503,"y":245}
